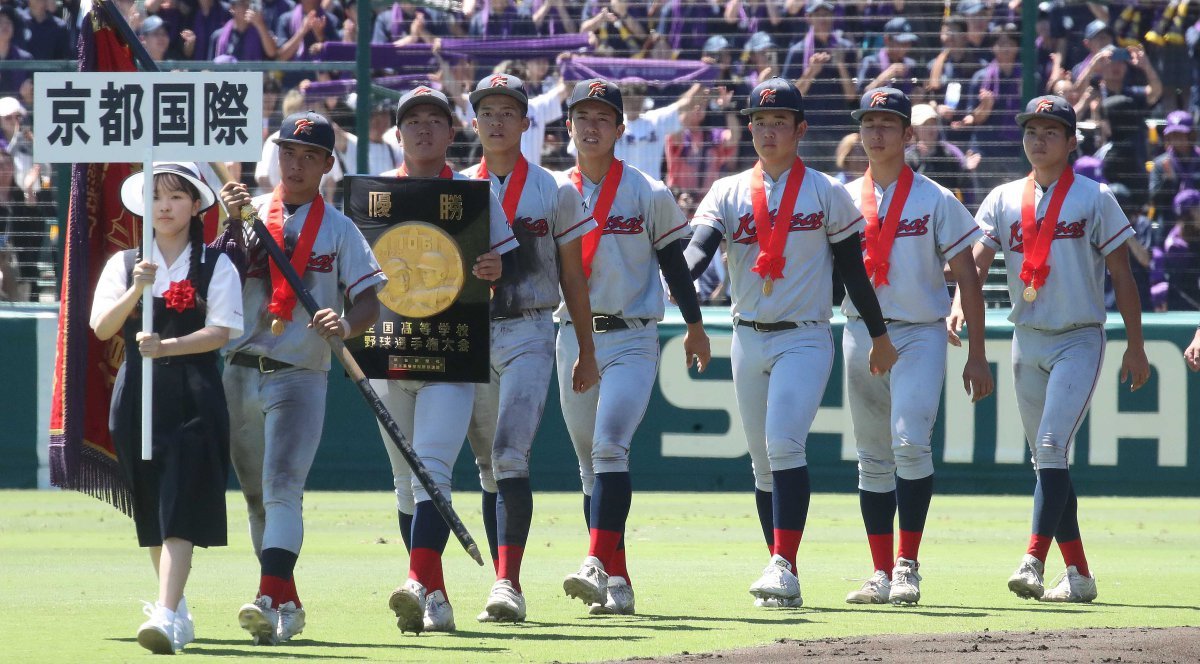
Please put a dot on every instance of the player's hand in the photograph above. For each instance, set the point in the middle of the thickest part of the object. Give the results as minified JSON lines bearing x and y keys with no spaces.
{"x":977,"y":378}
{"x":954,"y":324}
{"x":1192,"y":354}
{"x":585,"y":374}
{"x":1135,"y":368}
{"x":149,"y":344}
{"x":143,"y":275}
{"x":487,"y":267}
{"x":235,"y":196}
{"x":696,"y":348}
{"x":883,"y":355}
{"x":328,"y":323}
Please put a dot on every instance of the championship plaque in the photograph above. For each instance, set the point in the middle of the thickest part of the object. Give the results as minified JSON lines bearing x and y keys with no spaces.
{"x":433,"y":314}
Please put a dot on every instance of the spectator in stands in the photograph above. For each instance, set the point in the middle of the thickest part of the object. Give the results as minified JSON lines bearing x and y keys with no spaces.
{"x":689,"y":169}
{"x":938,"y":159}
{"x":207,"y":18}
{"x":153,"y":35}
{"x":619,"y":25}
{"x":824,"y":64}
{"x":995,"y":99}
{"x":734,"y":145}
{"x":11,"y":79}
{"x":497,"y":19}
{"x":381,"y":156}
{"x":759,"y":54}
{"x":1141,"y":250}
{"x":642,"y":144}
{"x":545,"y":104}
{"x":751,"y":16}
{"x":17,"y":136}
{"x":1177,"y":168}
{"x":405,"y":23}
{"x":555,"y":17}
{"x":271,"y":10}
{"x":1181,"y":254}
{"x":687,"y":25}
{"x":245,"y":36}
{"x":46,"y":36}
{"x":891,"y":66}
{"x":978,"y":15}
{"x":1124,"y":155}
{"x":851,"y":159}
{"x":1097,"y":37}
{"x":301,"y":31}
{"x":951,"y":71}
{"x":1113,"y":65}
{"x":23,"y":231}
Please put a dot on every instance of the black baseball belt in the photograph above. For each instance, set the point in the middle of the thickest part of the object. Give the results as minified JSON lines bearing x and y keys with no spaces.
{"x":602,"y":323}
{"x":263,"y":363}
{"x":768,"y":327}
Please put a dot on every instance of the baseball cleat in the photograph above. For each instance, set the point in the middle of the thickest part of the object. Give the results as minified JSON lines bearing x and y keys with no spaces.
{"x":185,"y":629}
{"x":260,"y":620}
{"x":906,"y":582}
{"x":589,"y":584}
{"x":1071,"y":586}
{"x":291,"y":621}
{"x":777,"y":581}
{"x":504,"y":604}
{"x":485,"y":617}
{"x":439,"y":615}
{"x":1026,"y":582}
{"x":158,"y":633}
{"x":408,"y":603}
{"x":874,"y":590}
{"x":778,"y":603}
{"x":620,"y":599}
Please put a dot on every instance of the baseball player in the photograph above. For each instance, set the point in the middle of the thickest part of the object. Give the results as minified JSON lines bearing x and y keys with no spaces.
{"x":432,"y":415}
{"x":638,"y":233}
{"x":781,"y":287}
{"x":275,"y":375}
{"x":913,"y":228}
{"x":1058,"y":231}
{"x":549,"y":221}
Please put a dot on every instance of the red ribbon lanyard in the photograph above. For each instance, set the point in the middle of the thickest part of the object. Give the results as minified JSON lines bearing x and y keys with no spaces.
{"x":608,"y":192}
{"x":773,"y":232}
{"x":283,"y":298}
{"x":879,"y":240}
{"x":1037,"y":239}
{"x":446,"y":173}
{"x":515,"y":185}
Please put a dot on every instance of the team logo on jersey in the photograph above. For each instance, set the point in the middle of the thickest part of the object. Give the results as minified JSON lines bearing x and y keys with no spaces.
{"x":597,"y":89}
{"x":623,"y":226}
{"x":747,"y":232}
{"x":316,"y":263}
{"x":767,"y":96}
{"x":1044,"y":106}
{"x":913,"y":227}
{"x":531,"y":226}
{"x":879,"y":99}
{"x":304,"y":126}
{"x":1064,"y":230}
{"x":499,"y":81}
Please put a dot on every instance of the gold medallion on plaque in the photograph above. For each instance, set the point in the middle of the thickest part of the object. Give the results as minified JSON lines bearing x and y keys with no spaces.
{"x":424,"y":268}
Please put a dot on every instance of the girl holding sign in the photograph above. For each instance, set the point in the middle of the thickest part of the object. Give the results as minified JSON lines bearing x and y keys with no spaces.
{"x":178,"y":496}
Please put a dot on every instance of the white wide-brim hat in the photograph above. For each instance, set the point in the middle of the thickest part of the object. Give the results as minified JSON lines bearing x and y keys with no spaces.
{"x":133,"y":197}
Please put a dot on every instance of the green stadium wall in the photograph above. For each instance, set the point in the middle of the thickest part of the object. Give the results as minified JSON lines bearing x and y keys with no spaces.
{"x":1141,"y":443}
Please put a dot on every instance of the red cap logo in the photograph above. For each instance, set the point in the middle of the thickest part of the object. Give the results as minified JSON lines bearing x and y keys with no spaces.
{"x":304,"y":126}
{"x":767,"y":96}
{"x":597,"y":89}
{"x":1044,"y":106}
{"x":879,"y":98}
{"x":422,"y":91}
{"x":498,"y":81}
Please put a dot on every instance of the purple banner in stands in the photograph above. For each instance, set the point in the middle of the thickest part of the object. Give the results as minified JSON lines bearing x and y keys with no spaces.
{"x":625,"y":70}
{"x":323,"y":89}
{"x":386,"y":56}
{"x":490,"y":51}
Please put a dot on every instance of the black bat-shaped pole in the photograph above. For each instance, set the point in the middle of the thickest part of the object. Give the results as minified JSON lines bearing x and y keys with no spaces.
{"x":364,"y":387}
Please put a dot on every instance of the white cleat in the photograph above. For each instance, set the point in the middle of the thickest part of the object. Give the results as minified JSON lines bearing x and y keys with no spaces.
{"x":620,"y":599}
{"x":1026,"y":582}
{"x":408,"y":603}
{"x":874,"y":590}
{"x":778,"y":603}
{"x":778,"y":581}
{"x":1071,"y":586}
{"x":157,"y":634}
{"x":291,"y":621}
{"x":906,"y":582}
{"x":185,"y":629}
{"x":439,"y":615}
{"x":589,"y":584}
{"x":504,"y":604}
{"x":260,"y":620}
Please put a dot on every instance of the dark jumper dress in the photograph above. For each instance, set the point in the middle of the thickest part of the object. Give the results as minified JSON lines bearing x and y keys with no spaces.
{"x":181,"y":492}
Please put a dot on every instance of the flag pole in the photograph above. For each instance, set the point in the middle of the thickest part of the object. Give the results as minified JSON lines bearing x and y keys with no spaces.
{"x":147,"y":304}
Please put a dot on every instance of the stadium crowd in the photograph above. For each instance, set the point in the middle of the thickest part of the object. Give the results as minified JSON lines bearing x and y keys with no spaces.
{"x":1129,"y":67}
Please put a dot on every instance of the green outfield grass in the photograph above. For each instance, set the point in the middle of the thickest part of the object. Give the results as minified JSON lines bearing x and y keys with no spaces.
{"x":72,"y":576}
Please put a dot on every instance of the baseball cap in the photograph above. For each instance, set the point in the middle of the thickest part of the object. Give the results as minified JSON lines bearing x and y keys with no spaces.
{"x":1096,"y":27}
{"x":1119,"y":54}
{"x":500,"y":84}
{"x":1051,"y":107}
{"x":900,"y":30}
{"x":306,"y":128}
{"x":1185,"y":200}
{"x":716,"y":44}
{"x":922,"y":113}
{"x":133,"y":196}
{"x":597,"y":89}
{"x":759,"y":41}
{"x":422,"y":95}
{"x":883,"y":100}
{"x":10,"y":105}
{"x":970,"y":7}
{"x":775,"y":94}
{"x":817,"y":5}
{"x":1089,"y":167}
{"x":1178,"y":122}
{"x":149,"y":25}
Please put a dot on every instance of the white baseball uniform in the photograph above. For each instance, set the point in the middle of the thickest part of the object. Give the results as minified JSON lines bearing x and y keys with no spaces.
{"x":893,"y":414}
{"x":1058,"y":339}
{"x":777,"y":408}
{"x":624,"y":283}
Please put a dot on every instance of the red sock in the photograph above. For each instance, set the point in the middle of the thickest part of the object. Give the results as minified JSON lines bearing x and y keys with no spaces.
{"x":881,"y":551}
{"x":273,"y":587}
{"x":787,"y":543}
{"x":290,"y":594}
{"x":617,"y":567}
{"x":604,"y":545}
{"x":1072,"y":553}
{"x":509,"y":564}
{"x":1039,"y":546}
{"x":910,"y":543}
{"x":425,"y":566}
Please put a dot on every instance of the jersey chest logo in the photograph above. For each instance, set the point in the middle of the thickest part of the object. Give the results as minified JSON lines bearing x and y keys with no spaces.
{"x":905,"y":228}
{"x":316,"y":263}
{"x":531,"y":226}
{"x":747,"y":232}
{"x":623,"y":226}
{"x":1065,"y":230}
{"x":648,"y":138}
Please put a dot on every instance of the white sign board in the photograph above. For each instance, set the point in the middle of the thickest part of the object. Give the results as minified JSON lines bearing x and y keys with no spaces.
{"x":117,"y":116}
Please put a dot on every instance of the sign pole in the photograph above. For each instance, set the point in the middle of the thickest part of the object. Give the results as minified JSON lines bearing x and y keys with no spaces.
{"x":147,"y":304}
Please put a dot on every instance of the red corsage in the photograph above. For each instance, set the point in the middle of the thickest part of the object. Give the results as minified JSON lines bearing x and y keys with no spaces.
{"x":180,"y":296}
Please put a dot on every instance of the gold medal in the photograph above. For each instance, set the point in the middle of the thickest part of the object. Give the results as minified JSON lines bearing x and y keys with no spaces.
{"x":1030,"y":294}
{"x":277,"y":326}
{"x":768,"y":286}
{"x":424,"y":267}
